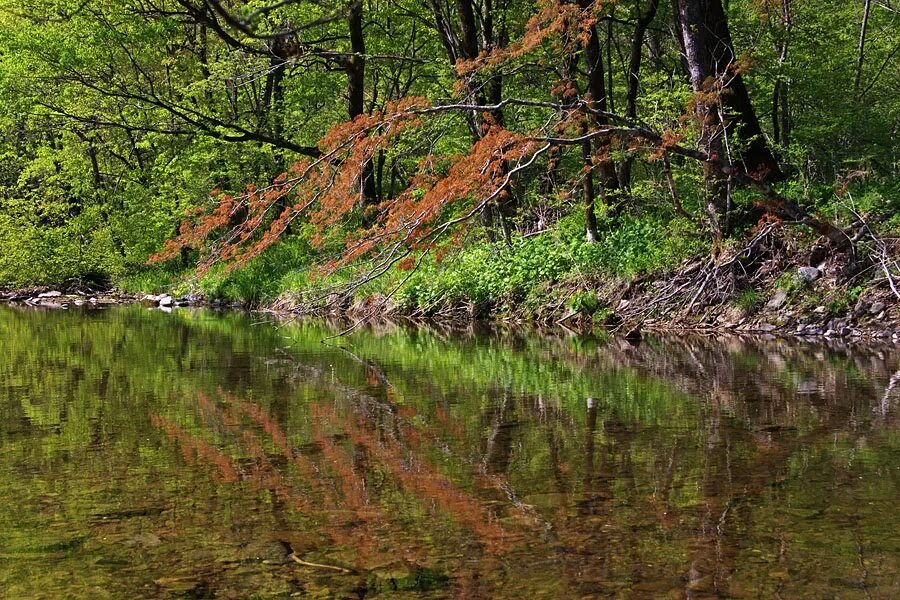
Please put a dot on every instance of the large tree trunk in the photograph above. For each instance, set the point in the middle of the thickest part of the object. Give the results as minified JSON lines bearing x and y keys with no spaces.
{"x":355,"y":67}
{"x":723,"y":103}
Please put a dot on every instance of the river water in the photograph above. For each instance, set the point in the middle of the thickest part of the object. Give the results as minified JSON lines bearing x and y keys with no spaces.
{"x":199,"y":455}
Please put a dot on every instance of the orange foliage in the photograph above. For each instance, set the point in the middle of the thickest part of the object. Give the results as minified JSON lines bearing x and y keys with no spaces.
{"x":565,"y":21}
{"x":327,"y":189}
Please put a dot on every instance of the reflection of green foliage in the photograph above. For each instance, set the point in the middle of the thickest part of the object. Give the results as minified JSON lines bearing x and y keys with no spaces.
{"x":97,"y":498}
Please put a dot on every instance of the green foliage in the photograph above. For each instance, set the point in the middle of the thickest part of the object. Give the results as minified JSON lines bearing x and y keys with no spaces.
{"x":584,"y":302}
{"x":791,"y":283}
{"x":281,"y":268}
{"x":634,"y":245}
{"x":486,"y":273}
{"x":497,"y":276}
{"x":116,"y":121}
{"x":838,"y":306}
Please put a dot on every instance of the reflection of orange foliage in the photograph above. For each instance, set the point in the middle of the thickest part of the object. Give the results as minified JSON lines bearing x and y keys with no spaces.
{"x":423,"y":478}
{"x":264,"y":476}
{"x":193,"y":445}
{"x":454,"y":427}
{"x":271,"y":427}
{"x":352,"y":485}
{"x":352,"y":520}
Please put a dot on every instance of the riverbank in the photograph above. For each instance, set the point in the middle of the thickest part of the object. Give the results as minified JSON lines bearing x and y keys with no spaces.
{"x":803,"y":312}
{"x":63,"y":297}
{"x":774,"y":282}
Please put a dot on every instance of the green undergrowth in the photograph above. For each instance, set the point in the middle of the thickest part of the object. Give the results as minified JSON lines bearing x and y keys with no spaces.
{"x":491,"y":276}
{"x":515,"y":277}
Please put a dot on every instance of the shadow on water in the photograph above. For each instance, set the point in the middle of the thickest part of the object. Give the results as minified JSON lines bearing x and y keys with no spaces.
{"x":200,"y":455}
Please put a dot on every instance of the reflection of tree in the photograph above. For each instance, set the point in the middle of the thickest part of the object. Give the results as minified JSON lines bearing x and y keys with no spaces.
{"x":605,"y":468}
{"x":348,"y":448}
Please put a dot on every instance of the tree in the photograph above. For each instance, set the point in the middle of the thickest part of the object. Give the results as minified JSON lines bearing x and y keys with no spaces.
{"x":730,"y":129}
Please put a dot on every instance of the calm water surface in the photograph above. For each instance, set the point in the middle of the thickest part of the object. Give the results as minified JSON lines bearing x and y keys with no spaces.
{"x":201,"y":455}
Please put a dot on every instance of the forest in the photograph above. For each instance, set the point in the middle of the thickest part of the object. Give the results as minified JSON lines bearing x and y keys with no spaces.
{"x":464,"y":157}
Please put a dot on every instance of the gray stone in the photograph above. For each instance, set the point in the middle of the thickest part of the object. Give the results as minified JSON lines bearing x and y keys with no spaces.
{"x":777,"y":300}
{"x":876,"y":308}
{"x":860,"y":309}
{"x":808,"y":274}
{"x":166,"y":301}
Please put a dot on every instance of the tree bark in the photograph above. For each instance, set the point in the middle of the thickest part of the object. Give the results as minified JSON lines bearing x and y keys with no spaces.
{"x":729,"y":115}
{"x":634,"y":77}
{"x":598,"y":101}
{"x":355,"y":68}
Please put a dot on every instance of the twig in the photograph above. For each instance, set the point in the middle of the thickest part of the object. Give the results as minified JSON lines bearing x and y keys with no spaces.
{"x":305,"y":563}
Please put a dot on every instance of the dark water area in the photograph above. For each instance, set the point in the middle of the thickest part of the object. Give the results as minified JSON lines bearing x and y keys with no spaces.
{"x":199,"y":455}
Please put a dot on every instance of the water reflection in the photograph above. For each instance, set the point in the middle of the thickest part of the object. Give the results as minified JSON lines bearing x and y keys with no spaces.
{"x":192,"y":454}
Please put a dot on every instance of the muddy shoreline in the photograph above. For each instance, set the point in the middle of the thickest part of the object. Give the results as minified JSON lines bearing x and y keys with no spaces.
{"x":883,"y":326}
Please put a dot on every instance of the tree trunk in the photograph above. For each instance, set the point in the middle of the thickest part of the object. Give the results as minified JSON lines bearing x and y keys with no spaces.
{"x":709,"y":57}
{"x":634,"y":77}
{"x":598,"y":101}
{"x":867,"y":7}
{"x":355,"y":67}
{"x":781,"y":127}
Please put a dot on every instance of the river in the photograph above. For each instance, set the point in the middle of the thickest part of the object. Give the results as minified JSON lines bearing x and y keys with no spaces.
{"x":195,"y":454}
